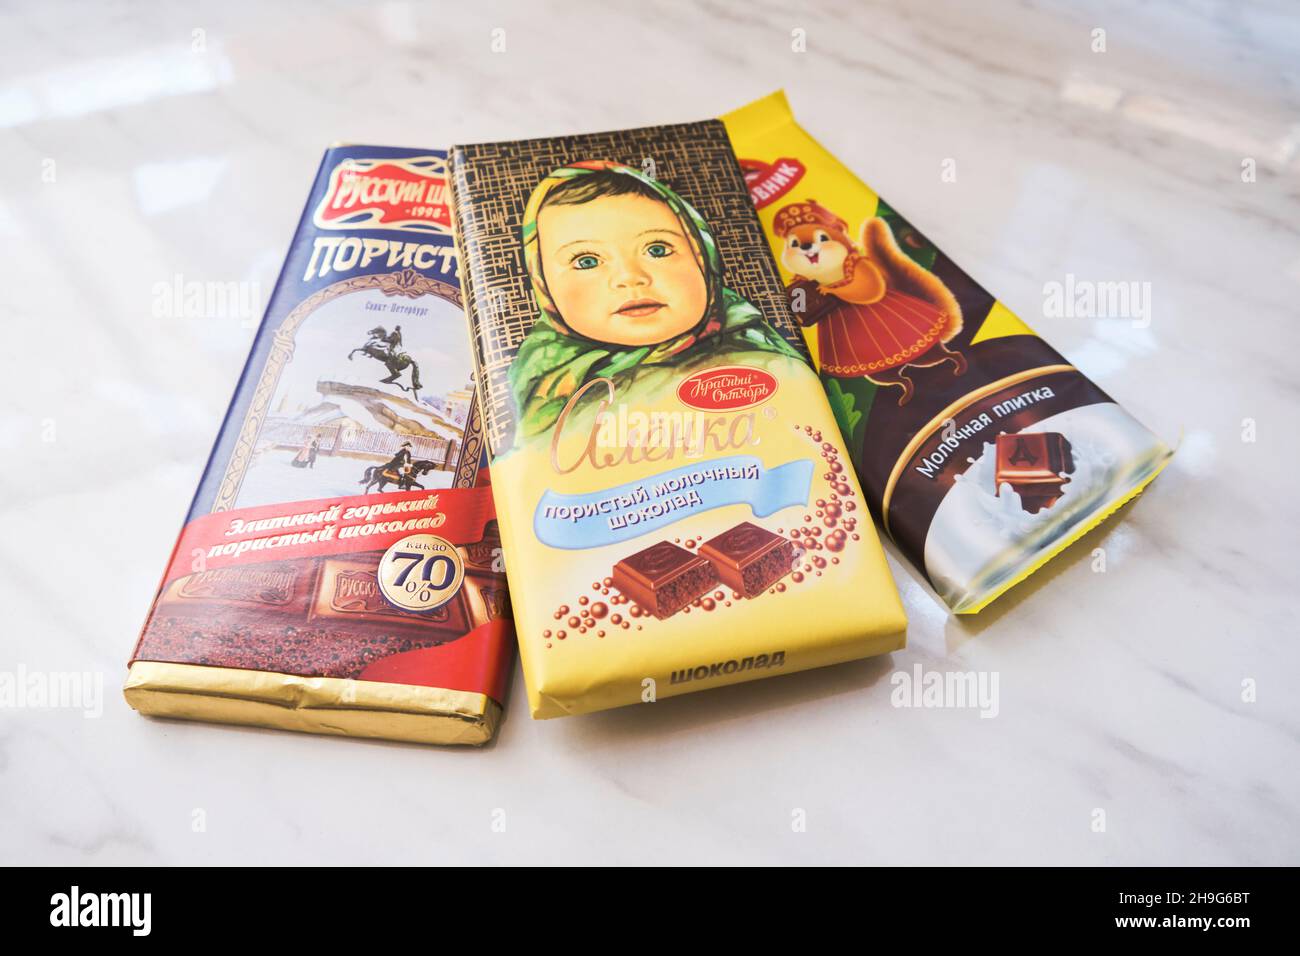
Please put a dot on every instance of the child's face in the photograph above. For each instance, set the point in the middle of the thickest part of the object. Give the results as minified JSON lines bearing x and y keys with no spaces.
{"x":620,"y":269}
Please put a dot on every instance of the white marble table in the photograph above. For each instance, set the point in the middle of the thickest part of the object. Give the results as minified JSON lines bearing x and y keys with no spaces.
{"x":139,"y":146}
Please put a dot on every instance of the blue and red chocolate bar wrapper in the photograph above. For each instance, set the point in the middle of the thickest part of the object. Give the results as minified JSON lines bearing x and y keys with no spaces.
{"x":340,"y":568}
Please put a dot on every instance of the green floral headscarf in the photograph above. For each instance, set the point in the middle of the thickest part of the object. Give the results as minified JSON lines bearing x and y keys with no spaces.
{"x":554,"y":361}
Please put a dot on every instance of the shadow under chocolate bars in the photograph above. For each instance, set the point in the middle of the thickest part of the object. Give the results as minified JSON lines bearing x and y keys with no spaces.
{"x":981,"y":450}
{"x":340,"y":569}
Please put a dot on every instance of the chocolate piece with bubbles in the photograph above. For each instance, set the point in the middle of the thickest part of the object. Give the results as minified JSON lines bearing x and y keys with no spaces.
{"x":748,"y":558}
{"x":664,"y":578}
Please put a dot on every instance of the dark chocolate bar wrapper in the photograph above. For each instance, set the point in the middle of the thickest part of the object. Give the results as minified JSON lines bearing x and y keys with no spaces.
{"x":340,"y":570}
{"x":982,"y":451}
{"x":675,"y":507}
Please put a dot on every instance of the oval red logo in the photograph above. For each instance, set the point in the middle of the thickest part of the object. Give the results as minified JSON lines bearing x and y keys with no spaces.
{"x":728,"y":388}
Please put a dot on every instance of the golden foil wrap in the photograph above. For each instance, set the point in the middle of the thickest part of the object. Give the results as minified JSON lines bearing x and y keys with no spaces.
{"x":316,"y":705}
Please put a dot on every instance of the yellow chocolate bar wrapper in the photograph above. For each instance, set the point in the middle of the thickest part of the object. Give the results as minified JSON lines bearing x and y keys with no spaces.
{"x":675,"y":506}
{"x":981,"y":450}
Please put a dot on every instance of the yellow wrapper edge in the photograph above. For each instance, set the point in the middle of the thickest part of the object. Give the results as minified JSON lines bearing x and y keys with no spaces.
{"x":1058,"y":547}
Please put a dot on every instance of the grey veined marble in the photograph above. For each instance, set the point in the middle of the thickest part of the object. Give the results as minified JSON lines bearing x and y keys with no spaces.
{"x":1132,"y":704}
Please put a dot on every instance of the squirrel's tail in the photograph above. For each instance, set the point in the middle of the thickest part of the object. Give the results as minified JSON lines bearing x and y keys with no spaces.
{"x":905,"y":275}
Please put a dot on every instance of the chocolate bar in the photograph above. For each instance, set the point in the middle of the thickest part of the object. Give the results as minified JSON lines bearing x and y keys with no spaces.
{"x":664,"y":578}
{"x":627,"y":421}
{"x":749,"y":559}
{"x":924,"y":368}
{"x":339,"y":571}
{"x":1036,"y":465}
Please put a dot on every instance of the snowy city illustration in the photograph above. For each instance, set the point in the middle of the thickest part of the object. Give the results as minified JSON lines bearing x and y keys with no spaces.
{"x":375,"y":398}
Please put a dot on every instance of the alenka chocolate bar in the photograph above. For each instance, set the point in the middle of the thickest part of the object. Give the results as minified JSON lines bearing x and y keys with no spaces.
{"x":676,"y":509}
{"x":340,"y":571}
{"x":983,"y":452}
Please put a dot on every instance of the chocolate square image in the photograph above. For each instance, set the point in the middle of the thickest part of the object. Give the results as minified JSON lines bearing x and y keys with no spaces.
{"x":1033,"y":458}
{"x":1032,"y":464}
{"x":749,"y":559}
{"x":664,"y":578}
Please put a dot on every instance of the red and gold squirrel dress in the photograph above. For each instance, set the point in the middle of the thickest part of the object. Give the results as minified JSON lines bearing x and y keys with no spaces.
{"x":883,"y":312}
{"x":857,"y":338}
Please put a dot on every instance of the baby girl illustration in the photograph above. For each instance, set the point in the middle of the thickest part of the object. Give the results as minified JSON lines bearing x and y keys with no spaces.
{"x":627,"y":278}
{"x":879,"y":312}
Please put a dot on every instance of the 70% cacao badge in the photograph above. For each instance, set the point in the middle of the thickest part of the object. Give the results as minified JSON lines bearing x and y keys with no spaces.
{"x":421,"y":572}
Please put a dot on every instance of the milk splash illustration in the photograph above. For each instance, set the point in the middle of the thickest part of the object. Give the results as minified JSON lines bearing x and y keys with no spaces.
{"x":1005,"y":513}
{"x":980,"y":537}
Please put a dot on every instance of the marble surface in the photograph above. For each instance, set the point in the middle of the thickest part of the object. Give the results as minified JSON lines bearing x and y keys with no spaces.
{"x":143,"y":143}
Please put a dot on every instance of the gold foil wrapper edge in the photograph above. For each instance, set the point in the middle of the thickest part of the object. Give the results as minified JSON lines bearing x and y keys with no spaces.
{"x":320,"y":705}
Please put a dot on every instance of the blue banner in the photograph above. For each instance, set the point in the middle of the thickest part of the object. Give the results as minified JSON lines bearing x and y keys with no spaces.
{"x":618,"y":514}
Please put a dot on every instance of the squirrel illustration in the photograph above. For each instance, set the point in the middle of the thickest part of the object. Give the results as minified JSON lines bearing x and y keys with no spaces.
{"x":879,"y":312}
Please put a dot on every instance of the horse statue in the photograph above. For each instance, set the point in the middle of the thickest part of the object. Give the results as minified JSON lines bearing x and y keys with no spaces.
{"x":405,"y":480}
{"x":385,"y":347}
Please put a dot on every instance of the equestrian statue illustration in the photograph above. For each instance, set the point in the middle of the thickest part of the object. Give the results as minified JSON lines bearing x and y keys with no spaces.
{"x":386,"y":347}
